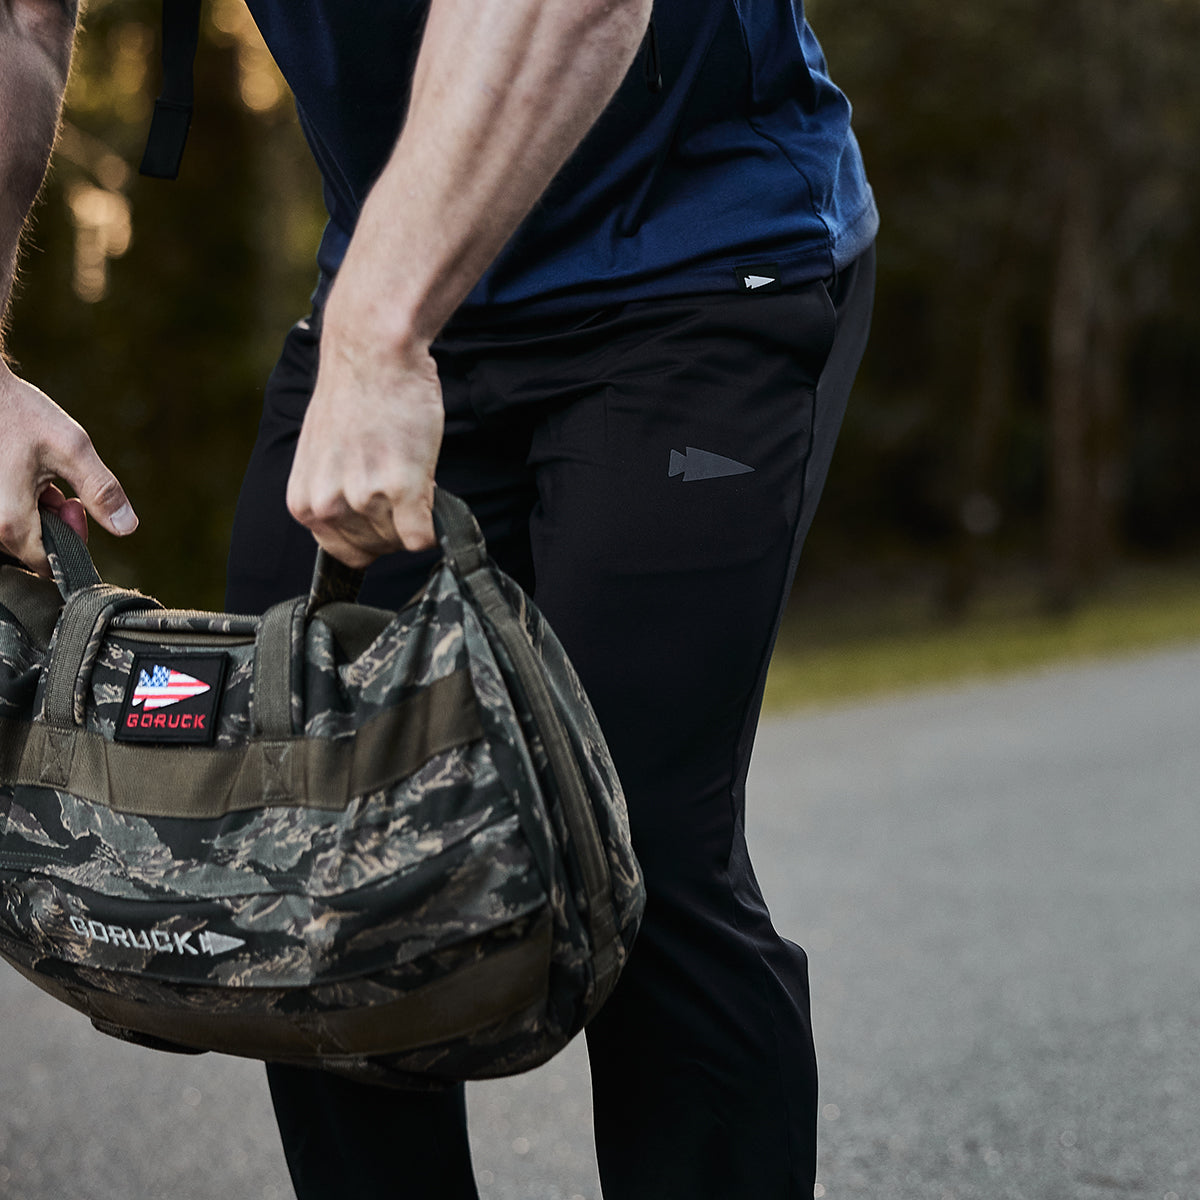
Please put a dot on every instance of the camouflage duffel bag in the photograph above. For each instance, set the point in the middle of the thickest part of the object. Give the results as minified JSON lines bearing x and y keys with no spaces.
{"x":389,"y":844}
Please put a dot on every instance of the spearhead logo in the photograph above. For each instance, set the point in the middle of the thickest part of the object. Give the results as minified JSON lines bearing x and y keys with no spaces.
{"x":703,"y":464}
{"x":759,"y":277}
{"x":157,"y":940}
{"x":160,"y":687}
{"x":172,"y":698}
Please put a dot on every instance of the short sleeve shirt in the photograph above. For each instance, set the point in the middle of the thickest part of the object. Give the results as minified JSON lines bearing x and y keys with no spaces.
{"x":745,"y":157}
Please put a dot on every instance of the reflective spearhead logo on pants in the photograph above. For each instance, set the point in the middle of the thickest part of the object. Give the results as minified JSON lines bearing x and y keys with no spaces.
{"x":704,"y":464}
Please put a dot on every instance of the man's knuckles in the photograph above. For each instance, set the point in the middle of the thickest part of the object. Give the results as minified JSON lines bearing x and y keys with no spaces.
{"x":415,"y":528}
{"x":102,"y":493}
{"x":315,"y":509}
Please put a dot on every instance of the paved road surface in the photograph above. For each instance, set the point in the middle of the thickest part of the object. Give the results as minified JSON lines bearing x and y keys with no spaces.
{"x":998,"y":888}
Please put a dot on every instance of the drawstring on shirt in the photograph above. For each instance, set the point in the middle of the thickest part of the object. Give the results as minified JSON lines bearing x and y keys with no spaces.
{"x":173,"y":109}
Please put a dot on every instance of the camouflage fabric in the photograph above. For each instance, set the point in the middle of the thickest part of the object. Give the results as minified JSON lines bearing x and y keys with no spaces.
{"x":460,"y":915}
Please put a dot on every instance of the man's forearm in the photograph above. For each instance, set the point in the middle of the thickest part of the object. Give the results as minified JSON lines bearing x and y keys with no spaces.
{"x":36,"y":37}
{"x":504,"y":90}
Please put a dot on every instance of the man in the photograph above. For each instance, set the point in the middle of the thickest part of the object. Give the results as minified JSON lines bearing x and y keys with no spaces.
{"x":609,"y":280}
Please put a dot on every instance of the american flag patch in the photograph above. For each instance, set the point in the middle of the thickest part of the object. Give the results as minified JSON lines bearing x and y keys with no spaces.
{"x":172,"y":697}
{"x":161,"y":686}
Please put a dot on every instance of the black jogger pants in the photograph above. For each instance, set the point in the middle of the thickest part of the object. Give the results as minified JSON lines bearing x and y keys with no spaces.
{"x":648,"y":474}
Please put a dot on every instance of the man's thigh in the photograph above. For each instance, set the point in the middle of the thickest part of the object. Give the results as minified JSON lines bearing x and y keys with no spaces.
{"x":670,"y":498}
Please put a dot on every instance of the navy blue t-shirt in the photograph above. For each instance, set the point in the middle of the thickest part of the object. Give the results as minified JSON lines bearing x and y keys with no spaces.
{"x":744,"y":158}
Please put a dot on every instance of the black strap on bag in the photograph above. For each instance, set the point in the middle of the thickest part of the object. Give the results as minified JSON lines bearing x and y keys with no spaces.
{"x":173,"y":109}
{"x":70,"y":563}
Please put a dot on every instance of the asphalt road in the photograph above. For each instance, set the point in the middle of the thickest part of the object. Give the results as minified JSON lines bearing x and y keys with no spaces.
{"x":998,"y":888}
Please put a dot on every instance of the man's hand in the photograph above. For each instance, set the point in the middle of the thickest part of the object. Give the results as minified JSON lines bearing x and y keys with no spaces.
{"x":362,"y":480}
{"x":40,"y":442}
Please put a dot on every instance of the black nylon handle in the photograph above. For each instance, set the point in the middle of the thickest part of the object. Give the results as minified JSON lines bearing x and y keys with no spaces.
{"x":70,"y":562}
{"x":332,"y":581}
{"x":457,"y":531}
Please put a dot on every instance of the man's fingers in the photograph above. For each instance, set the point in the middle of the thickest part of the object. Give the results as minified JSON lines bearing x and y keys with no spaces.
{"x":97,"y":487}
{"x":414,"y":526}
{"x":362,"y":479}
{"x":358,"y":539}
{"x":26,"y":543}
{"x":352,"y":541}
{"x":71,"y":510}
{"x":357,"y":530}
{"x":40,"y":443}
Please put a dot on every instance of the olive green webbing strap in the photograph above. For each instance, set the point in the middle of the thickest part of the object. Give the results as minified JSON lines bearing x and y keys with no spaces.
{"x":72,"y":641}
{"x":462,"y":542}
{"x":86,"y":597}
{"x":354,"y":626}
{"x":466,"y":553}
{"x":279,"y":632}
{"x":208,"y":782}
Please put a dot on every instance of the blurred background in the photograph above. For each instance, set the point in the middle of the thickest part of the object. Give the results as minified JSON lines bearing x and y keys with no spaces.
{"x":1025,"y":426}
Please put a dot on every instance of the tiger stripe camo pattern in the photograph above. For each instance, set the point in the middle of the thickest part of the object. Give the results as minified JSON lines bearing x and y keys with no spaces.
{"x":286,"y":912}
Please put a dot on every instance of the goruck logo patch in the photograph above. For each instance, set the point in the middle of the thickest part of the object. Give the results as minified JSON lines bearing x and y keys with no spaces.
{"x":172,"y":698}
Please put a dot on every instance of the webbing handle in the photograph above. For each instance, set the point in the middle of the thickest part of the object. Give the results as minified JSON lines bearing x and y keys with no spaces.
{"x":280,"y":633}
{"x":458,"y":533}
{"x":70,"y":563}
{"x":77,"y":640}
{"x":332,"y":582}
{"x":89,"y":603}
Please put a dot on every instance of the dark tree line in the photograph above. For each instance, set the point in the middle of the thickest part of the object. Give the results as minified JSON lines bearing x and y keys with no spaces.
{"x":1029,"y":390}
{"x":1030,"y":384}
